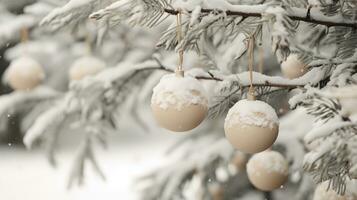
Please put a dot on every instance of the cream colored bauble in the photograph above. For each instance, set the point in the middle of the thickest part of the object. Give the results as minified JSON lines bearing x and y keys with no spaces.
{"x":251,"y":126}
{"x":322,"y":192}
{"x":267,"y":170}
{"x":85,"y":66}
{"x":179,"y":103}
{"x":292,"y":67}
{"x":24,"y":73}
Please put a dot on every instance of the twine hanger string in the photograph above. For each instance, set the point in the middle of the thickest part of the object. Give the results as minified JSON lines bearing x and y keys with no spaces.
{"x":251,"y":95}
{"x":88,"y":41}
{"x":24,"y":37}
{"x":261,"y":59}
{"x":179,"y":69}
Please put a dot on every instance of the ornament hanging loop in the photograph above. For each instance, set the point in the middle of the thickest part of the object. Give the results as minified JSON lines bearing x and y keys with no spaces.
{"x":24,"y":35}
{"x":251,"y":91}
{"x":179,"y":69}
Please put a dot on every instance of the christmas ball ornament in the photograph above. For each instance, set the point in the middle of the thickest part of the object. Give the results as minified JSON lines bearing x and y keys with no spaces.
{"x":85,"y":66}
{"x":24,"y":73}
{"x":292,"y":67}
{"x":179,"y":103}
{"x":323,"y":192}
{"x":251,"y":126}
{"x":267,"y":170}
{"x":216,"y":191}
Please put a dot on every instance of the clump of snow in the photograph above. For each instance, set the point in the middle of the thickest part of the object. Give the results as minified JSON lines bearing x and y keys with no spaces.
{"x":271,"y":161}
{"x":252,"y":112}
{"x":217,"y":5}
{"x":325,"y":192}
{"x":325,"y":130}
{"x":195,"y":15}
{"x":349,"y":91}
{"x":278,"y":27}
{"x":178,"y":92}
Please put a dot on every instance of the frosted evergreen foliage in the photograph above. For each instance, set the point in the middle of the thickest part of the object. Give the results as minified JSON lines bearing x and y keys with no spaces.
{"x":137,"y":40}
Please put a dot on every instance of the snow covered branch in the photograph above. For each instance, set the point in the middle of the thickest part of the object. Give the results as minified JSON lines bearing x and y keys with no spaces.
{"x":18,"y":101}
{"x":72,"y":13}
{"x":310,"y":15}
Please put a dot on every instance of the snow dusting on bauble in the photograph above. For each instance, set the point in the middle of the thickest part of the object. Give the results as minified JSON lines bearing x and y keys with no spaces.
{"x":24,"y":73}
{"x":323,"y":192}
{"x":179,"y":103}
{"x":251,"y":126}
{"x":293,"y":67}
{"x":85,"y":66}
{"x":267,"y":170}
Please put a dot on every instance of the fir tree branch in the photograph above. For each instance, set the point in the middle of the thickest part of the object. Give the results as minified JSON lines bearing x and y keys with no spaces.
{"x":298,"y":14}
{"x":212,"y":77}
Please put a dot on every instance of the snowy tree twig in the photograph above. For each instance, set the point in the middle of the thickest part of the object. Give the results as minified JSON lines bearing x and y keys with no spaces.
{"x":298,"y":14}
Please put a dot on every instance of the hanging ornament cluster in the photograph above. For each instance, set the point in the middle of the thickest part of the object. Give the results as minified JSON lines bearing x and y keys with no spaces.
{"x":24,"y":73}
{"x":267,"y":170}
{"x":252,"y":126}
{"x":293,"y":67}
{"x":179,"y":102}
{"x":85,"y":66}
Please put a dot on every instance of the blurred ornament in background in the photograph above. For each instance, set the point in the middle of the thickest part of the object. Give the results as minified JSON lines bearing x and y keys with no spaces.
{"x":24,"y":73}
{"x":267,"y":170}
{"x":216,"y":191}
{"x":292,"y":67}
{"x":251,"y":126}
{"x":239,"y":160}
{"x":85,"y":66}
{"x":179,"y":102}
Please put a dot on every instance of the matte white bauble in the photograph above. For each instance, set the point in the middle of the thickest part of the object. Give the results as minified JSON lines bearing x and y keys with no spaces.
{"x":179,"y":103}
{"x":292,"y":67}
{"x":267,"y":170}
{"x":251,"y":126}
{"x":24,"y":73}
{"x":321,"y":193}
{"x":85,"y":66}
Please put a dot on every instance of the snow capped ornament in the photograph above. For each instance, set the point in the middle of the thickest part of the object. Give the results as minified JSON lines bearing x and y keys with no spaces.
{"x":251,"y":126}
{"x":179,"y":103}
{"x":292,"y":67}
{"x":85,"y":66}
{"x":323,"y":193}
{"x":24,"y":73}
{"x":267,"y":170}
